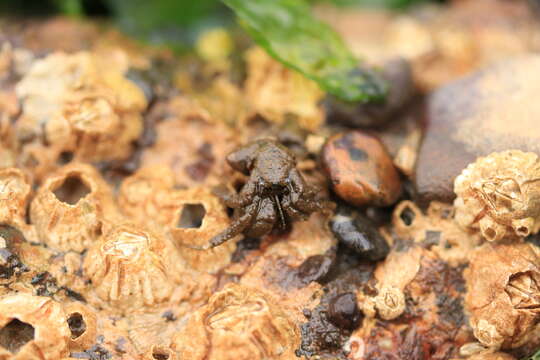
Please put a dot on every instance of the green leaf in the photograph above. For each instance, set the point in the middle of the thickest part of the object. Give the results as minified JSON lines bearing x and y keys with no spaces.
{"x":71,"y":8}
{"x":173,"y":23}
{"x":392,"y":4}
{"x":287,"y":30}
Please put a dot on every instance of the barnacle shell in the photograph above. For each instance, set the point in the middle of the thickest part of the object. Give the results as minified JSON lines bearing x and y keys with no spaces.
{"x":131,"y":268}
{"x":48,"y":338}
{"x":84,"y":104}
{"x":214,"y":221}
{"x":503,"y":294}
{"x":238,"y":323}
{"x":149,"y":196}
{"x":14,"y":193}
{"x":500,"y":195}
{"x":82,"y":323}
{"x":390,"y":303}
{"x":70,"y":206}
{"x":435,"y":229}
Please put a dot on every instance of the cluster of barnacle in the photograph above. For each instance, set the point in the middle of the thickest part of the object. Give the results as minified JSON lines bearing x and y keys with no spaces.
{"x":92,"y":269}
{"x":498,"y":197}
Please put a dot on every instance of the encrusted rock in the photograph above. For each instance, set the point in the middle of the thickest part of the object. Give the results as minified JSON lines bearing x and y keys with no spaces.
{"x":492,"y":110}
{"x":15,"y":191}
{"x":499,"y":195}
{"x":503,"y":295}
{"x":360,"y":170}
{"x":132,"y":268}
{"x":32,"y":327}
{"x":436,"y":230}
{"x":69,"y":208}
{"x":238,"y":323}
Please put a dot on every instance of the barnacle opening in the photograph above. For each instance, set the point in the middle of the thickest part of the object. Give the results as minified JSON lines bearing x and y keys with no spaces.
{"x":76,"y":324}
{"x":15,"y":335}
{"x":72,"y":189}
{"x":407,"y":215}
{"x":192,"y":216}
{"x":160,"y":353}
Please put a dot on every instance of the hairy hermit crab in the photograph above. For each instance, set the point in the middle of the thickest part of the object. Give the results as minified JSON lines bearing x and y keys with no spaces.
{"x":275,"y":194}
{"x":500,"y":195}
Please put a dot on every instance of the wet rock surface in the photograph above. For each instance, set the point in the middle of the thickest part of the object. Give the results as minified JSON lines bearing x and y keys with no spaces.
{"x":492,"y":110}
{"x":360,"y":170}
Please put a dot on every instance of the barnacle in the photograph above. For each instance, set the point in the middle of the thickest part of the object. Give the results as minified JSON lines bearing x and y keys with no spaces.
{"x":131,"y":268}
{"x":32,"y":327}
{"x":390,"y":303}
{"x":192,"y":216}
{"x":70,"y":206}
{"x":503,"y":294}
{"x":500,"y":195}
{"x":14,"y":194}
{"x":238,"y":323}
{"x":196,"y":218}
{"x":82,"y":323}
{"x":83,"y":104}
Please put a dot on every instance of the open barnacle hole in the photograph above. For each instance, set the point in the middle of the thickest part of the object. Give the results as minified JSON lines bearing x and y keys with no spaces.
{"x":131,"y":268}
{"x":32,"y":327}
{"x":160,"y":353}
{"x":199,"y":216}
{"x":408,"y":220}
{"x":15,"y":191}
{"x":15,"y":334}
{"x":82,"y":324}
{"x":70,"y":206}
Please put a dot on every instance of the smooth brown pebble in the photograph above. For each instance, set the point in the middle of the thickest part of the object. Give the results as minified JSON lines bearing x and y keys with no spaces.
{"x":360,"y":170}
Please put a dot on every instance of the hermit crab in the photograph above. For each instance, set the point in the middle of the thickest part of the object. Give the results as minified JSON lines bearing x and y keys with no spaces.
{"x":275,"y":194}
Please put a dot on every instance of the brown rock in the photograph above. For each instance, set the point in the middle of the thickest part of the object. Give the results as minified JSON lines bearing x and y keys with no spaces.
{"x":360,"y":169}
{"x":493,"y":110}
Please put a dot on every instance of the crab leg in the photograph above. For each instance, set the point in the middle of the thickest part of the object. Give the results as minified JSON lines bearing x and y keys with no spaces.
{"x":234,"y":229}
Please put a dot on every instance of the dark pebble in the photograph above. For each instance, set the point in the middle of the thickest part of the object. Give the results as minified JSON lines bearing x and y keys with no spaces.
{"x":359,"y":234}
{"x":343,"y":311}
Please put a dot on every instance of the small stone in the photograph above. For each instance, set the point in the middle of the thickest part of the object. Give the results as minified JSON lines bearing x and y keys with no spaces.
{"x":343,"y":311}
{"x":359,"y":234}
{"x":360,"y":169}
{"x":493,"y":110}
